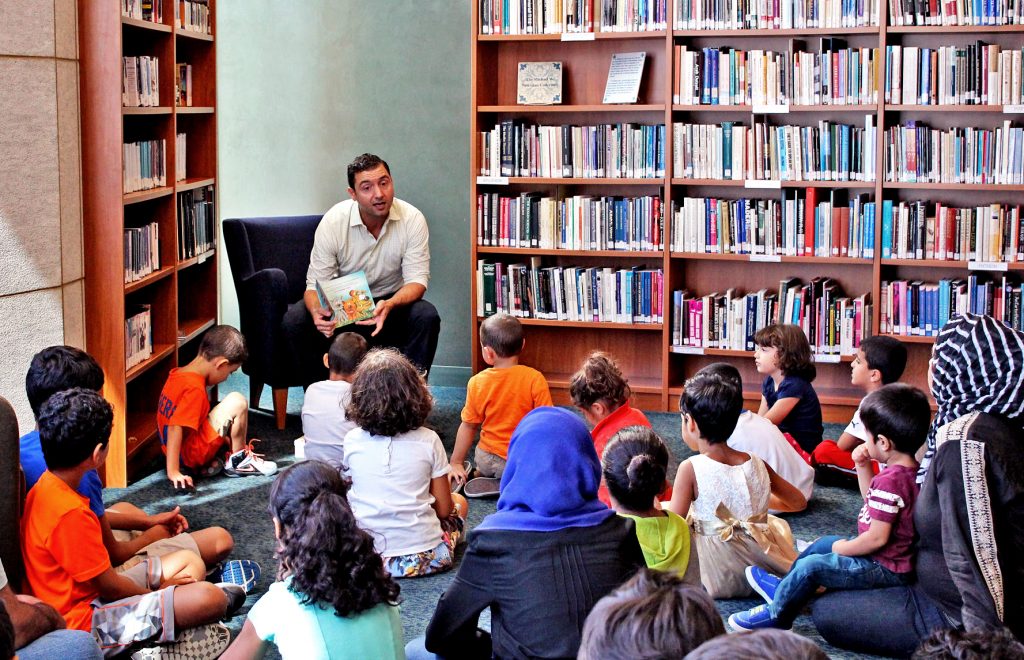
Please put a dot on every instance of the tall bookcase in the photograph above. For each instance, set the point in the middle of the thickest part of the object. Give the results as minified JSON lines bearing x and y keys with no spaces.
{"x":181,"y":292}
{"x":655,"y":367}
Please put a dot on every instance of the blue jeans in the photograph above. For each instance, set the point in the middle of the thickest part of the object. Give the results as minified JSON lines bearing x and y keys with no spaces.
{"x":70,"y":644}
{"x":817,"y":566}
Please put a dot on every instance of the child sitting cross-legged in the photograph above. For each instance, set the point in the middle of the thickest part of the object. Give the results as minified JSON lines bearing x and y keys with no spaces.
{"x":192,"y":435}
{"x":730,"y":492}
{"x":324,"y":422}
{"x":66,"y":563}
{"x":400,"y":491}
{"x":896,"y":418}
{"x":788,"y":400}
{"x":496,"y":399}
{"x":333,"y":599}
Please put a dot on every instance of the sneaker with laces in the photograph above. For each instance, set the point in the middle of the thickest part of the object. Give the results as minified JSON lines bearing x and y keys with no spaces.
{"x":763,"y":582}
{"x":197,"y":643}
{"x":243,"y":572}
{"x":246,"y":463}
{"x":482,"y":487}
{"x":753,"y":619}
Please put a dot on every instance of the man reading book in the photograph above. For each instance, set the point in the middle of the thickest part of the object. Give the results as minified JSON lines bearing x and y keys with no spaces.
{"x":388,"y":240}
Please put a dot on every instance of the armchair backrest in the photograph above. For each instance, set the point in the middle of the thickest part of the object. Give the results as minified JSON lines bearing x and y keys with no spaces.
{"x":10,"y":494}
{"x":284,"y":242}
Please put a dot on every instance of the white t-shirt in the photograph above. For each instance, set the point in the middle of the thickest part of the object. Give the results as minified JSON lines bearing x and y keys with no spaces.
{"x":756,"y":435}
{"x":324,"y":423}
{"x":390,"y":493}
{"x":856,"y":427}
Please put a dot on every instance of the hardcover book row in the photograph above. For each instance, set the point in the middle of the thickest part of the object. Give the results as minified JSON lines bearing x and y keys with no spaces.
{"x":915,"y":308}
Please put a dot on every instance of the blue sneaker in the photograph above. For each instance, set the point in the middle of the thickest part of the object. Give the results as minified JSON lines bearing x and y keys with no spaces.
{"x":753,"y":619}
{"x":243,"y":572}
{"x":763,"y":582}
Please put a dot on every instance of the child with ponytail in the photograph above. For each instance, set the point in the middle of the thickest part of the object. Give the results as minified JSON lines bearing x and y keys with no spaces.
{"x":333,"y":598}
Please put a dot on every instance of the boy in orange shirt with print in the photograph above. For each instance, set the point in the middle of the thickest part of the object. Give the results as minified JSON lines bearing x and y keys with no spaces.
{"x":192,"y":435}
{"x":68,"y":567}
{"x":496,"y":399}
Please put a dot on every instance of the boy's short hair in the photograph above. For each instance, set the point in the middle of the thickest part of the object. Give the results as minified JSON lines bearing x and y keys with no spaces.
{"x":887,"y":354}
{"x":599,"y":379}
{"x":981,"y":644}
{"x":728,"y":372}
{"x":363,"y":163}
{"x":653,"y":615}
{"x":59,"y":368}
{"x":764,"y":644}
{"x":714,"y":403}
{"x":345,"y":352}
{"x":224,"y":341}
{"x":900,"y":412}
{"x":71,"y":424}
{"x":503,"y":334}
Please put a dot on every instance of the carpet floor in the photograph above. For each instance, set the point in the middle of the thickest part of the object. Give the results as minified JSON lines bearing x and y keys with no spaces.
{"x":240,"y":506}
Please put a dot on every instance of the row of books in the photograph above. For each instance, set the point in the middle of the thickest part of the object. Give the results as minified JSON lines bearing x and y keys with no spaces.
{"x":774,"y":14}
{"x":916,"y":308}
{"x":183,"y":85}
{"x":180,"y":142}
{"x":140,"y":81}
{"x":973,"y":74}
{"x":145,"y":165}
{"x":630,"y":151}
{"x":835,"y":75}
{"x":956,"y":12}
{"x":834,"y":323}
{"x":580,"y":222}
{"x":193,"y":15}
{"x":814,"y":223}
{"x":138,"y":335}
{"x":829,"y":151}
{"x":570,"y":293}
{"x":571,"y":16}
{"x":987,"y":233}
{"x":141,"y":251}
{"x":197,"y":233}
{"x":144,"y":10}
{"x":917,"y":153}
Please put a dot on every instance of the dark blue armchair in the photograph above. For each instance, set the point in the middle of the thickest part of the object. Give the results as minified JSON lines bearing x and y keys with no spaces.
{"x":269,"y":258}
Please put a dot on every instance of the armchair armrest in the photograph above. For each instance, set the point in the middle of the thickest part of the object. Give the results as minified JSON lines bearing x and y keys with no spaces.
{"x":262,"y":301}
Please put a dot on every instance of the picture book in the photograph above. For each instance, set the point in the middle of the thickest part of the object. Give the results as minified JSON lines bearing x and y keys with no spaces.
{"x":348,"y":297}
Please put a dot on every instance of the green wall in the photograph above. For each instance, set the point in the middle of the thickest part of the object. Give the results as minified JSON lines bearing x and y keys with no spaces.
{"x":304,"y":87}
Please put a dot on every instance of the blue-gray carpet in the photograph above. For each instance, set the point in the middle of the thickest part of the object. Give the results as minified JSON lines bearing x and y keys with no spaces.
{"x":240,"y":505}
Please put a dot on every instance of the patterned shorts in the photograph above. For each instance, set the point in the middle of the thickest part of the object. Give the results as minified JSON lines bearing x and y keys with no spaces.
{"x":432,"y":561}
{"x":119,"y":624}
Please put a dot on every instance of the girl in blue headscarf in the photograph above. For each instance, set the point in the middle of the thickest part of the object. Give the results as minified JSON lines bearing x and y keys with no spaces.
{"x":544,"y":558}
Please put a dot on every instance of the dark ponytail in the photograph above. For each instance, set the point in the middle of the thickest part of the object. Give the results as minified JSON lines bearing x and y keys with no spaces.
{"x":634,"y":465}
{"x":330,"y":560}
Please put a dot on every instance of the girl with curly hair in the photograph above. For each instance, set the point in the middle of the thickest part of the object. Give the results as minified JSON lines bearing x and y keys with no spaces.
{"x":783,"y":356}
{"x":400,"y":492}
{"x":333,"y":598}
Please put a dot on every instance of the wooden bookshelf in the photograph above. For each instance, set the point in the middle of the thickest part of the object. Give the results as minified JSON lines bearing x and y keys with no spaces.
{"x":655,"y":368}
{"x":183,"y":304}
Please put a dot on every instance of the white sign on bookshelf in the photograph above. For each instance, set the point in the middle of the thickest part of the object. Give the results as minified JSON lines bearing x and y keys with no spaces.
{"x":1014,"y":109}
{"x":767,"y":184}
{"x":624,"y":76}
{"x":688,"y":350}
{"x":829,"y":358}
{"x":998,"y":266}
{"x":766,"y":109}
{"x":766,"y":258}
{"x":492,"y":181}
{"x":578,"y":36}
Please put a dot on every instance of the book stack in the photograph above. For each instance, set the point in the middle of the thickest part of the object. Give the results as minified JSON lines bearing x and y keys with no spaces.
{"x":579,"y":222}
{"x":632,"y":15}
{"x":145,"y":10}
{"x":138,"y":335}
{"x":774,"y":14}
{"x":974,"y":74}
{"x":813,"y":223}
{"x":917,"y":153}
{"x":179,"y":149}
{"x":956,"y":12}
{"x":988,"y":233}
{"x":829,"y":151}
{"x":196,"y":223}
{"x":569,"y":293}
{"x":836,"y":75}
{"x":145,"y":165}
{"x":614,"y":151}
{"x":141,"y":251}
{"x":571,"y":16}
{"x":916,"y":308}
{"x":193,"y":15}
{"x":140,"y":82}
{"x":183,"y":85}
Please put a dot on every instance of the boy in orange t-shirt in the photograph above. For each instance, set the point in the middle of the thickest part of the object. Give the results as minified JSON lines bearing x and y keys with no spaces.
{"x":66,"y":563}
{"x":496,"y":399}
{"x":191,"y":435}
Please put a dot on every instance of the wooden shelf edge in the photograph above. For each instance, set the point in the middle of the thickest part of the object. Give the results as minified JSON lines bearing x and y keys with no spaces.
{"x":146,"y":110}
{"x":140,"y":429}
{"x":146,"y":195}
{"x":907,"y":107}
{"x":194,"y":110}
{"x":660,"y":181}
{"x":156,"y":276}
{"x":599,"y":325}
{"x":646,"y":34}
{"x":160,"y":352}
{"x":910,"y":339}
{"x":640,"y":107}
{"x":969,"y":187}
{"x":951,"y":29}
{"x":620,"y":254}
{"x":199,"y":36}
{"x":772,"y":32}
{"x":193,"y":328}
{"x":198,"y":259}
{"x":145,"y":25}
{"x":948,"y":264}
{"x":818,"y":358}
{"x":192,"y":184}
{"x":782,"y":259}
{"x":868,"y":107}
{"x":733,"y":183}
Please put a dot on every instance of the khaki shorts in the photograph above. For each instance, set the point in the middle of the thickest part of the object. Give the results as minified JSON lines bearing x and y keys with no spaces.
{"x":183,"y":541}
{"x":489,"y":465}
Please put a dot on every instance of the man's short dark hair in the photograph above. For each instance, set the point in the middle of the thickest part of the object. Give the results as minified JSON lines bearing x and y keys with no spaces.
{"x":345,"y":352}
{"x":71,"y":424}
{"x":59,"y":368}
{"x":887,"y":354}
{"x":900,"y":412}
{"x":224,"y":341}
{"x":714,"y":403}
{"x":503,"y":333}
{"x":363,"y":163}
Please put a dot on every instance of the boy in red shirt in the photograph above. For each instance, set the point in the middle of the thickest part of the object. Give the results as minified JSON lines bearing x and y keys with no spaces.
{"x":192,"y":435}
{"x":67,"y":565}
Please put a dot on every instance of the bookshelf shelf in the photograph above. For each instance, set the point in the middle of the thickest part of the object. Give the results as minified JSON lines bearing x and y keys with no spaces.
{"x":973,"y":187}
{"x":157,"y":110}
{"x":954,"y":29}
{"x":192,"y":184}
{"x":140,"y":430}
{"x":803,"y":32}
{"x":614,"y":254}
{"x":761,"y":259}
{"x":658,"y":34}
{"x":769,"y":185}
{"x":537,"y":109}
{"x":943,"y":263}
{"x":146,"y":195}
{"x":193,"y":110}
{"x":586,"y":182}
{"x":190,"y":34}
{"x":727,"y":352}
{"x":145,"y":25}
{"x":904,"y":107}
{"x":911,"y":339}
{"x":598,"y":325}
{"x":192,"y":329}
{"x":196,"y":260}
{"x":160,"y":352}
{"x":792,"y":109}
{"x":164,"y":272}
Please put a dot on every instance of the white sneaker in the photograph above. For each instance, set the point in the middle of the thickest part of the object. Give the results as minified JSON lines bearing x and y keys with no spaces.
{"x":246,"y":463}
